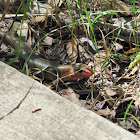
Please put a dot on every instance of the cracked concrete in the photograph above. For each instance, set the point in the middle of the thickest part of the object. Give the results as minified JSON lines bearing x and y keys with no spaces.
{"x":58,"y":119}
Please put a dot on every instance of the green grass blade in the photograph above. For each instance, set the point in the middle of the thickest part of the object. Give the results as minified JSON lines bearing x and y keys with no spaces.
{"x":25,"y":11}
{"x":111,"y":49}
{"x":129,"y":108}
{"x":91,"y":28}
{"x":17,"y":57}
{"x":82,"y":18}
{"x":134,"y":118}
{"x":27,"y":70}
{"x":13,"y":60}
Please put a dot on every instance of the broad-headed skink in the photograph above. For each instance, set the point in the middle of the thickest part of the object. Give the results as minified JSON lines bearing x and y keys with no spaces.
{"x":65,"y":72}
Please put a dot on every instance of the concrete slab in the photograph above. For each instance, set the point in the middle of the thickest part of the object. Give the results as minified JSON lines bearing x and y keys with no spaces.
{"x":58,"y":119}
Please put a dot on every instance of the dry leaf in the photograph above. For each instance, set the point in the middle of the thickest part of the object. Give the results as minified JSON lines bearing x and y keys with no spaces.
{"x":40,"y":8}
{"x":72,"y":50}
{"x":82,"y":51}
{"x":39,"y":18}
{"x":132,"y":50}
{"x":66,"y":19}
{"x":3,"y":2}
{"x":71,"y":95}
{"x":121,"y":6}
{"x":99,"y":106}
{"x":117,"y":47}
{"x":104,"y":112}
{"x":84,"y":39}
{"x":24,"y":31}
{"x":137,"y":102}
{"x":55,"y":2}
{"x":138,"y":133}
{"x":110,"y":92}
{"x":44,"y":8}
{"x":98,"y":61}
{"x":3,"y":48}
{"x":134,"y":70}
{"x":30,"y":40}
{"x":48,"y":40}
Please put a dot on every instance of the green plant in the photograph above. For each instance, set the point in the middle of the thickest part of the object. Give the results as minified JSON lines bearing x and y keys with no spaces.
{"x":126,"y":112}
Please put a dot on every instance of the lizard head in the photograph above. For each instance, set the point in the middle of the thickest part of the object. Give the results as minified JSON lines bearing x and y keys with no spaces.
{"x":75,"y":71}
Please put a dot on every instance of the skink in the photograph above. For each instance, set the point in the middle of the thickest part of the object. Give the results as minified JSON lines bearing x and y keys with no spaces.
{"x":65,"y":72}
